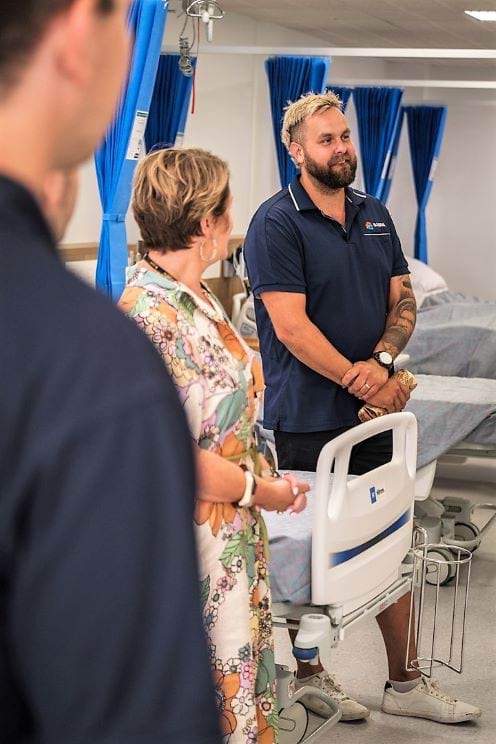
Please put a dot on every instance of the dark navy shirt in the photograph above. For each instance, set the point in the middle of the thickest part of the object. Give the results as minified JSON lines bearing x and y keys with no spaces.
{"x":101,"y":638}
{"x":345,"y":274}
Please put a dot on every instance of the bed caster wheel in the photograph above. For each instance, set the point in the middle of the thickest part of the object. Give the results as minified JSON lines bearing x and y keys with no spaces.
{"x":446,"y":570}
{"x":467,"y":531}
{"x":293,"y":723}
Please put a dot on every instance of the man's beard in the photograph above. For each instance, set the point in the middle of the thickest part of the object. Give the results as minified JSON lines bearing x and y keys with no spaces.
{"x":329,"y":176}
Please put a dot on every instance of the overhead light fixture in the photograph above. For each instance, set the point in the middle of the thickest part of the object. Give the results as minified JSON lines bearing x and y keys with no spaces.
{"x":482,"y":15}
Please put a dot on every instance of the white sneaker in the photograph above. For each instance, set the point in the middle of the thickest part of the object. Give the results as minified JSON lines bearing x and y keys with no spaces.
{"x":350,"y":709}
{"x":427,"y":701}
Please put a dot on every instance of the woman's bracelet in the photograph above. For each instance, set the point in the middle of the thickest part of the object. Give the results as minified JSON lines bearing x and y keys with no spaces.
{"x":248,"y":497}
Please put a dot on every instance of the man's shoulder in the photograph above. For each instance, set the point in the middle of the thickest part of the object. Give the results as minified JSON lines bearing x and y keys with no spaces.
{"x":74,"y":337}
{"x":277,"y":205}
{"x":92,"y":315}
{"x":118,"y":348}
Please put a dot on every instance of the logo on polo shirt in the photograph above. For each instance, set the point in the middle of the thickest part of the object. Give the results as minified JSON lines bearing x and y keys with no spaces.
{"x":374,"y":225}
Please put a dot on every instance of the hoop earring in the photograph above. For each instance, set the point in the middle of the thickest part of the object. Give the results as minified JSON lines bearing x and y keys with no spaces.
{"x":213,"y":255}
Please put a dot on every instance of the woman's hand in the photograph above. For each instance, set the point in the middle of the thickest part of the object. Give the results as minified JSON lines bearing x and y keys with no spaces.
{"x":281,"y":494}
{"x":300,"y":488}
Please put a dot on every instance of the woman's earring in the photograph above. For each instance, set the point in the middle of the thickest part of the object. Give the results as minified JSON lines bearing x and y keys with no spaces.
{"x":213,"y":255}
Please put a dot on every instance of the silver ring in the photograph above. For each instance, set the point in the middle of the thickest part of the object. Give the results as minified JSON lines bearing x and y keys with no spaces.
{"x":366,"y":384}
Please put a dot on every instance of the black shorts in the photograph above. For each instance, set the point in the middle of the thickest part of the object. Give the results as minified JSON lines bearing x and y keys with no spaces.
{"x":300,"y":451}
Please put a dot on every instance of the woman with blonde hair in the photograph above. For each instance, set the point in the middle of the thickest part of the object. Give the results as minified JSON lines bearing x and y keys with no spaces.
{"x":182,"y":205}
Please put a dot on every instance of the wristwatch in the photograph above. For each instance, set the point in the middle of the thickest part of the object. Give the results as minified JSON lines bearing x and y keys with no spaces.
{"x":385,"y":359}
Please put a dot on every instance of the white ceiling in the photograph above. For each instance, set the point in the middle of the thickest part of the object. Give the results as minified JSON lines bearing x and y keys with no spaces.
{"x":434,"y":24}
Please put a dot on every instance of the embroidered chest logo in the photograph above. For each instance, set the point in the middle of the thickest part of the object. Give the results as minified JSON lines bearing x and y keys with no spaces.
{"x":373,"y":225}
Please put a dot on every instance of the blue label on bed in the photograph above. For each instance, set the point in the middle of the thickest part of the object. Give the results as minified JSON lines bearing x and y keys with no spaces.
{"x":335,"y":559}
{"x":374,"y":493}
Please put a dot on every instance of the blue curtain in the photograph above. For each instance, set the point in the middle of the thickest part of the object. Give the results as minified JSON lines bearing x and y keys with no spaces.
{"x":379,"y":119}
{"x":169,"y":106}
{"x":289,"y":78}
{"x":117,"y":156}
{"x":425,"y":133}
{"x":343,"y":92}
{"x":394,"y":155}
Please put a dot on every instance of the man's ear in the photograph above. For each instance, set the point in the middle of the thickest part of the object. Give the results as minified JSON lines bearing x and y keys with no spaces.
{"x":75,"y":36}
{"x":297,"y":153}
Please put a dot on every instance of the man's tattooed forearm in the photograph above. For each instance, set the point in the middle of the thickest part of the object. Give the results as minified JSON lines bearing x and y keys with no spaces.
{"x":401,"y":321}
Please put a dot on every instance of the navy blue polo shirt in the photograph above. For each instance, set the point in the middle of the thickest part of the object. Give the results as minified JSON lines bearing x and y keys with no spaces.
{"x":101,"y":635}
{"x":345,"y":273}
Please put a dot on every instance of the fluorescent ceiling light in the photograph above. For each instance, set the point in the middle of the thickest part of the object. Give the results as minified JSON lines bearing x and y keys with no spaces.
{"x":482,"y":15}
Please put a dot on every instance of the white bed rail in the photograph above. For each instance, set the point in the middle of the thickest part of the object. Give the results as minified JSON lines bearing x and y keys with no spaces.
{"x":351,"y":516}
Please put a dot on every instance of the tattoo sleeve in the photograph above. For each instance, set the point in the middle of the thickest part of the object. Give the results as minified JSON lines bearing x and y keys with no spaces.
{"x":401,"y":319}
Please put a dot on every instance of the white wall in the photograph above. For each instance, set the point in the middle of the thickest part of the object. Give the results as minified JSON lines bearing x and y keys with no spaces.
{"x":460,"y":222}
{"x":462,"y":211}
{"x":232,"y":118}
{"x":86,"y":221}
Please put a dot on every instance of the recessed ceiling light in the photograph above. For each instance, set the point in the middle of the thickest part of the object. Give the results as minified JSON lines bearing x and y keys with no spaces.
{"x":482,"y":15}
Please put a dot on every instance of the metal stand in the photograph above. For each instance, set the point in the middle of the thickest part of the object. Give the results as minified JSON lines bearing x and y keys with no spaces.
{"x":434,"y":564}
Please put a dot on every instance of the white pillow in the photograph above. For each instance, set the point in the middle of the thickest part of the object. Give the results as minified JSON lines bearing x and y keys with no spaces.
{"x":425,"y":281}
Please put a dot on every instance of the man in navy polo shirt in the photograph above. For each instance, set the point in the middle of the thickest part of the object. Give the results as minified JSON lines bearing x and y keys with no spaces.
{"x":334,"y":307}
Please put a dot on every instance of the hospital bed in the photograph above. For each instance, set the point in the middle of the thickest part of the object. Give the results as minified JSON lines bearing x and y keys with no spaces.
{"x":454,"y":338}
{"x":457,"y":422}
{"x":456,"y":416}
{"x":455,"y":334}
{"x":453,"y":413}
{"x":341,"y":560}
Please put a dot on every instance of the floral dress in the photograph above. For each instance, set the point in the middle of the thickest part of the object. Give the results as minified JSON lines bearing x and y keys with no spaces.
{"x":219,"y":380}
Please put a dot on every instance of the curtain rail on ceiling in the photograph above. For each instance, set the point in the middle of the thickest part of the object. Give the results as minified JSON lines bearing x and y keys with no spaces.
{"x":481,"y":84}
{"x":348,"y":52}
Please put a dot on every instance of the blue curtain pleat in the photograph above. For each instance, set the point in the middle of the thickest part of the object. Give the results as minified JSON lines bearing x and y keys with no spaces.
{"x":394,"y":154}
{"x":118,"y":154}
{"x":289,"y":78}
{"x":379,"y":117}
{"x":425,"y":133}
{"x":169,"y":105}
{"x":343,"y":92}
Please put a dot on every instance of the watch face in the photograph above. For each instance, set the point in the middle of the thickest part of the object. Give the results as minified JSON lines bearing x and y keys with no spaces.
{"x":385,"y":358}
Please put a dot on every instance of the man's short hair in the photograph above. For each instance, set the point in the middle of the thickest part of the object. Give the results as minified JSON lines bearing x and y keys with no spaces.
{"x":296,"y":113}
{"x":22,"y":26}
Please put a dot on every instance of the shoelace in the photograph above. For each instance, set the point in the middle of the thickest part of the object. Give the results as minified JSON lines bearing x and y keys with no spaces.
{"x":432,"y":686}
